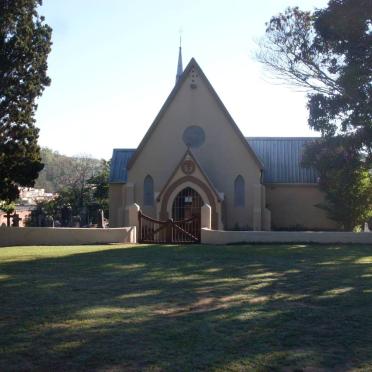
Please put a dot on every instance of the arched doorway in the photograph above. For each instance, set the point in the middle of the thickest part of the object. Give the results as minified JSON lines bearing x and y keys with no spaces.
{"x":187,"y":204}
{"x":186,"y":211}
{"x":206,"y":193}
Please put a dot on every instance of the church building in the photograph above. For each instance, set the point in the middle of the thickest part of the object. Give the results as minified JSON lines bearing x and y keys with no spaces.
{"x":195,"y":154}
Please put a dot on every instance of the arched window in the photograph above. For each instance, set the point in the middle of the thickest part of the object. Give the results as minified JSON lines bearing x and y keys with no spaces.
{"x":148,"y":191}
{"x":239,"y":192}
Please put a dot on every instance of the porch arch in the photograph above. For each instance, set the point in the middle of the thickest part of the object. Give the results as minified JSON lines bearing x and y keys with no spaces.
{"x":199,"y":186}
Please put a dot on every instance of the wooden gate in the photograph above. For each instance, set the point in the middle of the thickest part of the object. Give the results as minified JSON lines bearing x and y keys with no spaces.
{"x":156,"y":231}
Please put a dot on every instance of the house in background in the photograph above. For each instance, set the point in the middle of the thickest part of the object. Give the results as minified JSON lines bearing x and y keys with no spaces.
{"x":32,"y":196}
{"x":195,"y":154}
{"x":28,"y":199}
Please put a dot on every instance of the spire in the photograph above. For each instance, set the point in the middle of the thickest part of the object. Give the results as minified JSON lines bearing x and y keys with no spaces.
{"x":179,"y":65}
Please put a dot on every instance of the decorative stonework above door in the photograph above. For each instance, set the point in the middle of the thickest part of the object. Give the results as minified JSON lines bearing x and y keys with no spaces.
{"x":188,"y":166}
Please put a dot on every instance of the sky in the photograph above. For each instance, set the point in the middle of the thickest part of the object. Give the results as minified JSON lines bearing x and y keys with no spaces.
{"x":113,"y":64}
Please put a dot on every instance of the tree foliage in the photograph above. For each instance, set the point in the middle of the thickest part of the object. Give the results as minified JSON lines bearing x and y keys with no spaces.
{"x":25,"y":42}
{"x":61,"y":171}
{"x":347,"y":183}
{"x":85,"y":191}
{"x":100,"y":186}
{"x":328,"y":53}
{"x":7,"y":207}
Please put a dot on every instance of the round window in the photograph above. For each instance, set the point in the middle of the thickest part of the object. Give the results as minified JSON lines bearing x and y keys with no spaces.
{"x":193,"y":136}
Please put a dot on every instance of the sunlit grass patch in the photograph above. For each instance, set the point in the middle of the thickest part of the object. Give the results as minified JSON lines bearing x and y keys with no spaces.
{"x":327,"y":263}
{"x":213,"y":270}
{"x":364,"y":260}
{"x":125,"y":267}
{"x":5,"y":277}
{"x":27,"y":253}
{"x":139,"y":294}
{"x":267,"y":274}
{"x":337,"y":291}
{"x":292,"y":271}
{"x":297,"y":246}
{"x":106,"y":312}
{"x":68,"y":345}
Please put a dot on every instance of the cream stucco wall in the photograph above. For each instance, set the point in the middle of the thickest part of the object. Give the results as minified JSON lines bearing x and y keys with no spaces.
{"x":320,"y":237}
{"x":20,"y":236}
{"x":295,"y":206}
{"x":223,"y":156}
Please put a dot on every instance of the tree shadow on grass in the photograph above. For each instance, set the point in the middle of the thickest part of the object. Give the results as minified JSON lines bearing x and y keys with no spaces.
{"x":189,"y":308}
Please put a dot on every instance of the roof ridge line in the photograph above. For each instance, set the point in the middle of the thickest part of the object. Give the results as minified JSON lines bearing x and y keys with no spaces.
{"x":280,"y":138}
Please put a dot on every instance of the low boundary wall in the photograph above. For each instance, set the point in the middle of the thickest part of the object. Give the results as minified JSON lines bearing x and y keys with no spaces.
{"x":323,"y":237}
{"x":10,"y":236}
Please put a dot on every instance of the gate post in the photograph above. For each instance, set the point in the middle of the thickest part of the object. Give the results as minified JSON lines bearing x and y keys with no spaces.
{"x":169,"y":231}
{"x":133,"y":218}
{"x":206,"y":217}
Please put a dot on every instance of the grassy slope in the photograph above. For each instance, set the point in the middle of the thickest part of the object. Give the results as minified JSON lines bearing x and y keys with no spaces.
{"x":186,"y":307}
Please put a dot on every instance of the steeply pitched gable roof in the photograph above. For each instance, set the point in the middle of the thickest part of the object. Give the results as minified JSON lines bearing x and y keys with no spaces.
{"x":192,"y":64}
{"x":282,"y":158}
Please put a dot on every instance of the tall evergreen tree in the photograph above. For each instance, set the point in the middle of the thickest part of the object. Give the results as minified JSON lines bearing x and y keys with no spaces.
{"x":25,"y":42}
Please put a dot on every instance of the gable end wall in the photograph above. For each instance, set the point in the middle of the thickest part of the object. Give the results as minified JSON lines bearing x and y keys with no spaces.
{"x":223,"y":156}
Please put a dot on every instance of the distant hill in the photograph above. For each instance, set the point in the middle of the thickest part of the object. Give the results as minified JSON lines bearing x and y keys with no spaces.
{"x":61,"y":171}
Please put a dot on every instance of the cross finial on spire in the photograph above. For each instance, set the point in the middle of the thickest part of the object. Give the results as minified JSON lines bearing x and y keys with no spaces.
{"x":179,"y":65}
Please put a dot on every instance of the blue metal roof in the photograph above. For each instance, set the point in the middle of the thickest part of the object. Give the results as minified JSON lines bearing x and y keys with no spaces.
{"x":281,"y":157}
{"x":119,"y":161}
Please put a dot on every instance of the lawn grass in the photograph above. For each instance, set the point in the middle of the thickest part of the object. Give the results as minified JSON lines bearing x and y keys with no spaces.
{"x":186,"y":308}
